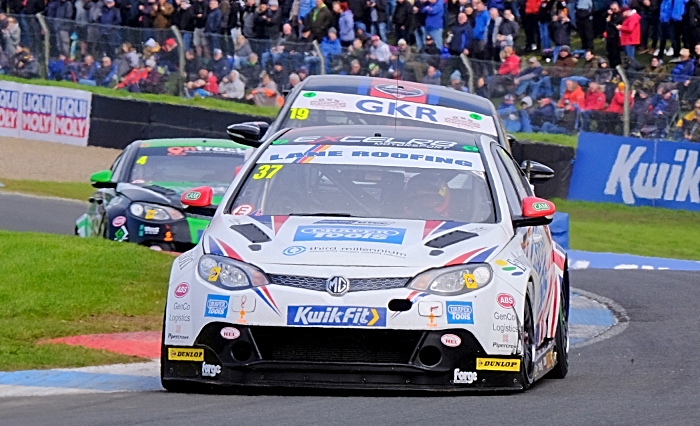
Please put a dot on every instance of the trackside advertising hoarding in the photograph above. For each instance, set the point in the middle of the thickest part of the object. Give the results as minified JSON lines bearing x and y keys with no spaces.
{"x":52,"y":114}
{"x":636,"y":172}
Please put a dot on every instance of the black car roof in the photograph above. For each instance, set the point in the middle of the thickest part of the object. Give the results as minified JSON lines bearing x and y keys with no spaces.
{"x":438,"y":95}
{"x":384,"y":135}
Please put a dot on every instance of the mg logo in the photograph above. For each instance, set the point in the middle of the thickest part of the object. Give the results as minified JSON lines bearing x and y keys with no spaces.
{"x":337,"y":286}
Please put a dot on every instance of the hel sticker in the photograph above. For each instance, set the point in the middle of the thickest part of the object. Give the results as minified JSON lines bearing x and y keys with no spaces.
{"x":214,"y":274}
{"x":243,"y":210}
{"x":451,"y":340}
{"x":266,"y":171}
{"x":185,"y":354}
{"x":497,"y":364}
{"x":118,"y":221}
{"x":230,"y":333}
{"x":142,"y":160}
{"x":298,"y":113}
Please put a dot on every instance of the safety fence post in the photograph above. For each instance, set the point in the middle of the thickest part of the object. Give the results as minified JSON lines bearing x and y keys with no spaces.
{"x":626,"y":111}
{"x":47,"y":44}
{"x":181,"y":58}
{"x":470,"y":80}
{"x":317,"y":48}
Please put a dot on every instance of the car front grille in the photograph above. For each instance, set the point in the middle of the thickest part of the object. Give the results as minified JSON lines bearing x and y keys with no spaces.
{"x":356,"y":284}
{"x":336,"y":345}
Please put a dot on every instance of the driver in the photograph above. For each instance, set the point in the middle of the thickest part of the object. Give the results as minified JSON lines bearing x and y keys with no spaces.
{"x":426,"y":196}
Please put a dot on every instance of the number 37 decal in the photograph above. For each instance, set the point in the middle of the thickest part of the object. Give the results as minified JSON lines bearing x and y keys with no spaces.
{"x":266,"y":171}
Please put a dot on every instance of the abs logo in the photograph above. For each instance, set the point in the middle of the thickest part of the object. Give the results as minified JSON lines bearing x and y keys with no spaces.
{"x":71,"y":117}
{"x":36,"y":112}
{"x":217,"y":306}
{"x":460,"y":313}
{"x":338,"y":233}
{"x":9,"y":105}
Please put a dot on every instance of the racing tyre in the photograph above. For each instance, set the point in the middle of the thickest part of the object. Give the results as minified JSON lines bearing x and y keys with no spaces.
{"x":527,"y":367}
{"x":561,"y":339}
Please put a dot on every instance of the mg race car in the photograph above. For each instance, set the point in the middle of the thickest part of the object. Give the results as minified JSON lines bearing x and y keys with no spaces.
{"x":390,"y":257}
{"x":138,"y":198}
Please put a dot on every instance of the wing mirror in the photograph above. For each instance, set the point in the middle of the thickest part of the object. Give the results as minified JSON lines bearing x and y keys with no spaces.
{"x":198,"y":197}
{"x":536,"y":172}
{"x":248,"y":134}
{"x":102,"y":179}
{"x":536,"y":212}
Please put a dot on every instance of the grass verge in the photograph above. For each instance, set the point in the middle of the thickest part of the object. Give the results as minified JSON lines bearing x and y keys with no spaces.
{"x":73,"y":190}
{"x":56,"y":286}
{"x":565,"y":140}
{"x":646,"y":231}
{"x":210,"y":103}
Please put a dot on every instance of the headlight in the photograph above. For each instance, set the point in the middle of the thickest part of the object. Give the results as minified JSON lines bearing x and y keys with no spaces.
{"x":230,"y":274}
{"x":453,"y":280}
{"x":153,"y":212}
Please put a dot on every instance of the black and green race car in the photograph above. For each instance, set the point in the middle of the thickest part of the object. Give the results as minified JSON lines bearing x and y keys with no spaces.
{"x":138,"y":198}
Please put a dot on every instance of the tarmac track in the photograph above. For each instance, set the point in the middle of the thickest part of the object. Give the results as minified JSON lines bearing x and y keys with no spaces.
{"x":648,"y":374}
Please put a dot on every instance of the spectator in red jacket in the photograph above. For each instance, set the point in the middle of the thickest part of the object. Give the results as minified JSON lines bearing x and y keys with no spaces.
{"x":609,"y":118}
{"x":205,"y":86}
{"x":573,"y":93}
{"x":594,"y":100}
{"x":630,"y":31}
{"x":509,"y":69}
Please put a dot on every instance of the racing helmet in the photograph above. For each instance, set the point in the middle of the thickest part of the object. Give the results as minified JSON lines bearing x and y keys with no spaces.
{"x":427,"y":196}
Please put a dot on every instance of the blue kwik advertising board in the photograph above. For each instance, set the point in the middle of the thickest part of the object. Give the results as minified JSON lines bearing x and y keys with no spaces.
{"x":636,"y":172}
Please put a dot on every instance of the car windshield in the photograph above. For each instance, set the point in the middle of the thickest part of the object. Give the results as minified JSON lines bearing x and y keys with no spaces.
{"x":362,"y":181}
{"x":330,"y":109}
{"x":193,"y":164}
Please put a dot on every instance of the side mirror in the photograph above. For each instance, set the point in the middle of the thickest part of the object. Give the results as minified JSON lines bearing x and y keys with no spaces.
{"x":103,"y":179}
{"x":536,"y":212}
{"x":248,"y":134}
{"x":198,"y":197}
{"x":511,"y":138}
{"x":536,"y":172}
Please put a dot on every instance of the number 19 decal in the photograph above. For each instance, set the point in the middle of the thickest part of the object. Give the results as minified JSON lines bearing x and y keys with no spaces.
{"x":298,"y":113}
{"x":267,"y":171}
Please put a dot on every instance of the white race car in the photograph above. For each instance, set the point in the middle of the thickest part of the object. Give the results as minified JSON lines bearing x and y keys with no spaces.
{"x":383,"y":257}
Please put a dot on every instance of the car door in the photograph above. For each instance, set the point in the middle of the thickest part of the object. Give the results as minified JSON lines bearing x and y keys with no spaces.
{"x":536,"y":241}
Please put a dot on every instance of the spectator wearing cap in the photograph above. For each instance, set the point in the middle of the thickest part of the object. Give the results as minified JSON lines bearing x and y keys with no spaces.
{"x":302,"y":72}
{"x":457,"y":83}
{"x":330,"y":47}
{"x":169,"y":55}
{"x":150,"y":48}
{"x":379,"y":50}
{"x":274,"y":21}
{"x":232,"y":87}
{"x":220,"y":66}
{"x":250,"y":70}
{"x":594,"y":100}
{"x":24,"y":64}
{"x":432,"y":76}
{"x":404,"y":54}
{"x":319,"y":20}
{"x":532,"y":80}
{"x":603,"y":74}
{"x":543,"y":116}
{"x":106,"y":74}
{"x":205,"y":86}
{"x":507,"y":72}
{"x":109,"y":33}
{"x":461,"y":36}
{"x":280,"y":75}
{"x":560,"y":29}
{"x":433,"y":11}
{"x":401,"y":20}
{"x":346,"y":23}
{"x":161,"y":13}
{"x":212,"y":27}
{"x":266,"y":94}
{"x":630,"y":31}
{"x":563,"y":67}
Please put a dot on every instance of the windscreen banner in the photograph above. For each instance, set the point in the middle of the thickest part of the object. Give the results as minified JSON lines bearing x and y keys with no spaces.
{"x":636,"y":172}
{"x":52,"y":114}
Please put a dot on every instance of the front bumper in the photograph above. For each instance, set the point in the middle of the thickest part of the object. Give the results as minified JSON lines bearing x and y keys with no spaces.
{"x":339,"y":358}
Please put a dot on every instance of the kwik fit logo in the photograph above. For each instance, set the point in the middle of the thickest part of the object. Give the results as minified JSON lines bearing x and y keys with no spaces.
{"x":675,"y":181}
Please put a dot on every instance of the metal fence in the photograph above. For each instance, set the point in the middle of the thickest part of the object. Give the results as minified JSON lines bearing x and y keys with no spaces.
{"x":637,"y":101}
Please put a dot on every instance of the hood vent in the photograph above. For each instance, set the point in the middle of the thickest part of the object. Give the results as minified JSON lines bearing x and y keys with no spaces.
{"x":450,"y":238}
{"x":252,"y":233}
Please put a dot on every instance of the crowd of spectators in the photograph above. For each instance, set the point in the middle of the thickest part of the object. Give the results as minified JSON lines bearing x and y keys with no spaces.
{"x":518,"y":50}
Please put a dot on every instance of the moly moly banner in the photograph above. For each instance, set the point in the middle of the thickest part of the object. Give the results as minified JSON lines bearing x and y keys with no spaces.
{"x":52,"y":114}
{"x":636,"y":172}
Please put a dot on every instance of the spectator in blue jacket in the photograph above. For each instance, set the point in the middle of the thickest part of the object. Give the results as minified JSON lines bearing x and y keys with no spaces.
{"x":305,"y":7}
{"x":212,"y":27}
{"x":346,"y":23}
{"x":461,"y":36}
{"x":86,"y":71}
{"x":532,"y":80}
{"x":434,"y":11}
{"x":110,"y":39}
{"x":683,"y":71}
{"x":105,"y":75}
{"x":509,"y":113}
{"x":544,"y":116}
{"x":481,"y":23}
{"x":220,"y":65}
{"x":330,"y":47}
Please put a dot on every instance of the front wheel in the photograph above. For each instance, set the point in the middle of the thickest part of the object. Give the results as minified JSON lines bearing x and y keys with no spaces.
{"x":527,"y":341}
{"x":561,"y":339}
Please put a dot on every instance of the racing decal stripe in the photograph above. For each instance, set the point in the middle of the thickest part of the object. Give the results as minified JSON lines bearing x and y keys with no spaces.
{"x":433,"y":99}
{"x":463,"y":258}
{"x":214,"y":248}
{"x":278,"y":221}
{"x":263,"y":219}
{"x":558,"y":259}
{"x":265,"y":295}
{"x":430,"y":225}
{"x":315,"y":148}
{"x":446,"y":226}
{"x":229,"y":251}
{"x":481,"y":257}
